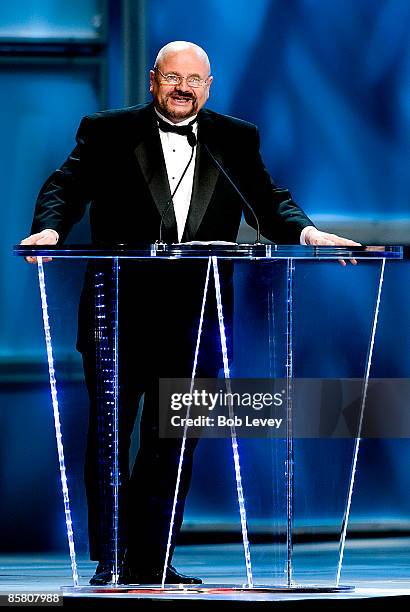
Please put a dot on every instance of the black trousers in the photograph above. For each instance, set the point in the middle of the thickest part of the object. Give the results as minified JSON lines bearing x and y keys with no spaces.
{"x":154,"y":342}
{"x":146,"y":492}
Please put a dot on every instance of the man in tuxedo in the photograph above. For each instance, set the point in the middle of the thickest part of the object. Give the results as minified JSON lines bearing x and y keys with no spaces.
{"x":150,"y":171}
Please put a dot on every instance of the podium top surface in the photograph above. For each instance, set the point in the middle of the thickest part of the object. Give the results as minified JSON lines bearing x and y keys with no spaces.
{"x":205,"y":250}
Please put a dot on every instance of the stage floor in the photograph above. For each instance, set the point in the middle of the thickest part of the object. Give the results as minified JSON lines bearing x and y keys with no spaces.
{"x":377,"y":568}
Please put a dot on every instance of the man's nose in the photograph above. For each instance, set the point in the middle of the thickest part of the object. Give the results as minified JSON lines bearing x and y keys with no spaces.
{"x":182,"y":90}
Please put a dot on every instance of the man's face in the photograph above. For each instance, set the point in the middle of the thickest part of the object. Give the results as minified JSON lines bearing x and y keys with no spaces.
{"x":179,"y":102}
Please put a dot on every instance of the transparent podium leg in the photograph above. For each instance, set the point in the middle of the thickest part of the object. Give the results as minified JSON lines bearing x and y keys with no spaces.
{"x":115,"y":466}
{"x":290,"y":269}
{"x":107,"y":362}
{"x":234,"y":441}
{"x":183,"y":443}
{"x":360,"y":423}
{"x":57,"y":423}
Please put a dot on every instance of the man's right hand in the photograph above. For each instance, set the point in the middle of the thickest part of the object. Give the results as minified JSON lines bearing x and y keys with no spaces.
{"x":44,"y":238}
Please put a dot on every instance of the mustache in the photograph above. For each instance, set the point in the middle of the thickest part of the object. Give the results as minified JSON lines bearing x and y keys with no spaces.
{"x":182,"y":94}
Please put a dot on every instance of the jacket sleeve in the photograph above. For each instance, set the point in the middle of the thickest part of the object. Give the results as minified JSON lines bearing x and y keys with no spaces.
{"x":280,"y":218}
{"x":65,"y":194}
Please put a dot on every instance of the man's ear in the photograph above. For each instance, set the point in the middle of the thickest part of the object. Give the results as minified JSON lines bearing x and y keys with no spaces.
{"x":151,"y":79}
{"x":210,"y":79}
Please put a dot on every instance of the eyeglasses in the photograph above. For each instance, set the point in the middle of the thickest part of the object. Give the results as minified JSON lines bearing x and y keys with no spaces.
{"x":176,"y":79}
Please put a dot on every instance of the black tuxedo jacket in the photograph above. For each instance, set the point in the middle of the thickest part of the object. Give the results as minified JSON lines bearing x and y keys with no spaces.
{"x":118,"y":167}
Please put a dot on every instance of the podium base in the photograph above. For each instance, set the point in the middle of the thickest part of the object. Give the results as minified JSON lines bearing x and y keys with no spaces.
{"x":210,"y":589}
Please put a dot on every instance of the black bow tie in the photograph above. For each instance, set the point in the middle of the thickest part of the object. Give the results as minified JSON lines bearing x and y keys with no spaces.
{"x":182,"y":130}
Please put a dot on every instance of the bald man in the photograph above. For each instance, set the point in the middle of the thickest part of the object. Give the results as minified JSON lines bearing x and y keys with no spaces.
{"x":130,"y":164}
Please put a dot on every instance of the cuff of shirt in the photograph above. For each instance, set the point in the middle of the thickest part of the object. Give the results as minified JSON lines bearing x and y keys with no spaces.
{"x":304,"y":232}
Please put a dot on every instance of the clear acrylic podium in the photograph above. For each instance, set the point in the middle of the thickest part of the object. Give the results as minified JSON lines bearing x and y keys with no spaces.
{"x":265,"y":313}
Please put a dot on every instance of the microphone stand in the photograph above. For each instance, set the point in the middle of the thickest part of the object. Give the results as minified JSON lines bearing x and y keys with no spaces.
{"x":240,"y":194}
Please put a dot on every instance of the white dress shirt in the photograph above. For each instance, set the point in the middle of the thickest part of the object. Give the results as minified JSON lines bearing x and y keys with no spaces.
{"x":177,"y":152}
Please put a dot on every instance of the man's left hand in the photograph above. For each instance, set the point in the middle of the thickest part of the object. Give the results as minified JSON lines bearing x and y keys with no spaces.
{"x":315,"y":237}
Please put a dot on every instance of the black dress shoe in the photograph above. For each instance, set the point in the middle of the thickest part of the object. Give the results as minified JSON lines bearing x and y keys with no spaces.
{"x":174,"y":577}
{"x":147,"y":576}
{"x":103,"y":574}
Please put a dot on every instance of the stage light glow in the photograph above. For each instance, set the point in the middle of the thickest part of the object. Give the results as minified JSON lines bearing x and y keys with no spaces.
{"x":369,"y":358}
{"x":183,"y":443}
{"x":289,"y":421}
{"x":57,"y":424}
{"x":236,"y":459}
{"x":107,"y":344}
{"x":116,"y":473}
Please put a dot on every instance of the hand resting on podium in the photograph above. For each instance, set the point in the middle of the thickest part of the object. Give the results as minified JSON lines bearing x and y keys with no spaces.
{"x":314,"y":237}
{"x":44,"y":238}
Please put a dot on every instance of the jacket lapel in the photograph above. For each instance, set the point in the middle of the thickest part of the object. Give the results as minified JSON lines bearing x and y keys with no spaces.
{"x":205,"y":177}
{"x":149,"y":155}
{"x":150,"y":158}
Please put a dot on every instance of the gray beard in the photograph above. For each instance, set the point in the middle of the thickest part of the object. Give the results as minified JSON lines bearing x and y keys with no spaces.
{"x":174,"y":115}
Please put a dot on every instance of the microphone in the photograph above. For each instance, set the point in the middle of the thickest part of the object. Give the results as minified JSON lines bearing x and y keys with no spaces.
{"x":240,"y":194}
{"x":192,"y":140}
